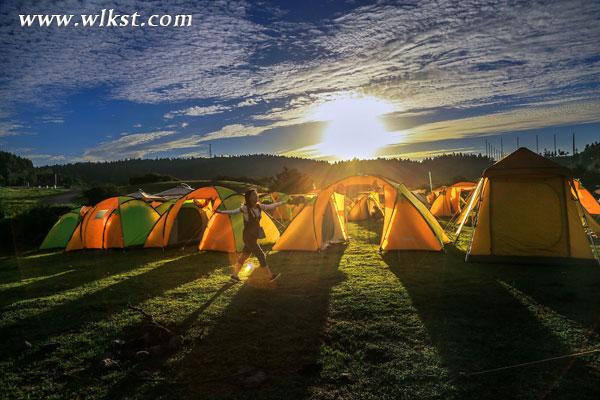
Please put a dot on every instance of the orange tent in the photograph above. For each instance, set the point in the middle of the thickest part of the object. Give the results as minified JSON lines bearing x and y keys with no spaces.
{"x":407,"y":225}
{"x":116,"y":222}
{"x":365,"y":207}
{"x":185,"y":220}
{"x":587,"y":200}
{"x":449,"y":199}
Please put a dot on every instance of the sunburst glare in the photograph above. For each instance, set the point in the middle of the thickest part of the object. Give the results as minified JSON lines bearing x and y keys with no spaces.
{"x":354,"y":127}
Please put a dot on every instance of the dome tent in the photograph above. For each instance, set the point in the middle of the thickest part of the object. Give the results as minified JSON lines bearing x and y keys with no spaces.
{"x":225,"y":232}
{"x":366,"y":206}
{"x":184,"y":220}
{"x":407,"y":225}
{"x":587,"y":199}
{"x":116,"y":222}
{"x":448,"y":200}
{"x":527,"y":210}
{"x":59,"y":235}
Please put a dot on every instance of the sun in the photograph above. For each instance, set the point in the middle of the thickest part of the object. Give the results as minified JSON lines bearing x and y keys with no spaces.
{"x":354,"y":127}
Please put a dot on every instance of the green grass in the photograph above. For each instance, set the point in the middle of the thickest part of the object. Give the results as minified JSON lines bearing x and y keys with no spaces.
{"x":345,"y":323}
{"x":14,"y":201}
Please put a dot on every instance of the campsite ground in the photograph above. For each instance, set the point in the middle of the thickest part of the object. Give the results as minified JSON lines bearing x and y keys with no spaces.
{"x":342,"y":323}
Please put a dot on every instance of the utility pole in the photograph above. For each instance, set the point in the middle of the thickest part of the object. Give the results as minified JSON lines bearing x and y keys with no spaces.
{"x":574,"y":149}
{"x":501,"y":148}
{"x":430,"y":182}
{"x":209,"y":150}
{"x":487,"y":154}
{"x":555,"y":153}
{"x":537,"y":144}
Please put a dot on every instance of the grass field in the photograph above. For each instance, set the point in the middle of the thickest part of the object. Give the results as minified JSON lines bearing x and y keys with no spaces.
{"x":345,"y":323}
{"x":18,"y":200}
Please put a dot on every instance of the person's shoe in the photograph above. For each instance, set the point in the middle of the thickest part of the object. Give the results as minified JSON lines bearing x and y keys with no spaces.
{"x":235,"y":278}
{"x":274,"y":277}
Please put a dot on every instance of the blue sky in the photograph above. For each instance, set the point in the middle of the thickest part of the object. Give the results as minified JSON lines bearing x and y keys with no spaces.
{"x":256,"y":77}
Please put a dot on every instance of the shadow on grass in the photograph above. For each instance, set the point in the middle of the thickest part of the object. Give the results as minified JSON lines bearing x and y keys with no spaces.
{"x":58,"y":272}
{"x":271,"y":328}
{"x":476,"y":324}
{"x":72,"y":315}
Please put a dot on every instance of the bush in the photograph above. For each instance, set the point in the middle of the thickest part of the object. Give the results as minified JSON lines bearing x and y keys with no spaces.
{"x":26,"y":231}
{"x":152,"y":177}
{"x":98,"y":193}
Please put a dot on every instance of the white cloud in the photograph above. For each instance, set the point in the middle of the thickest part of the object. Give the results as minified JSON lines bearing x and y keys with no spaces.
{"x":509,"y":121}
{"x":136,"y":145}
{"x":197,"y":111}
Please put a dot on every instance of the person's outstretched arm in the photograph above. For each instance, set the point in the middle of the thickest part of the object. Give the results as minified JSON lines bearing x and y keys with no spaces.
{"x":229,"y":212}
{"x":272,"y":205}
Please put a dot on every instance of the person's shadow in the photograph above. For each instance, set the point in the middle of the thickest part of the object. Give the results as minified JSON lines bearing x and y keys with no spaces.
{"x":266,"y":342}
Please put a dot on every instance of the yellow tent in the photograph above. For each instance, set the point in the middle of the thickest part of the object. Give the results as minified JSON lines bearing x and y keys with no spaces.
{"x":407,"y":225}
{"x":225,"y":232}
{"x":365,"y":207}
{"x":526,"y":211}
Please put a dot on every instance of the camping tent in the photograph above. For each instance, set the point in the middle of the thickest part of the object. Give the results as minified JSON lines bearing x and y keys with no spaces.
{"x":116,"y":222}
{"x":184,"y":220}
{"x":407,"y":224}
{"x":448,"y":200}
{"x":59,"y":235}
{"x":526,"y":210}
{"x":366,"y":206}
{"x":225,"y":232}
{"x":282,"y":213}
{"x":176,"y":192}
{"x":587,"y":200}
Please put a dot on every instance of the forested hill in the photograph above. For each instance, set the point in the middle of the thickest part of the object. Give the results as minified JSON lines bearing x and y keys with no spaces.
{"x":445,"y":169}
{"x":15,"y":170}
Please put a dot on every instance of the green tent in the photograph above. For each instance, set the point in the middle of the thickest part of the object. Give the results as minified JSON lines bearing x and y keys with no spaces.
{"x":63,"y":229}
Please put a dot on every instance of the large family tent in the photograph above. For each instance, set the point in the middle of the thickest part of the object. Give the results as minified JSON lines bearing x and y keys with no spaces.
{"x":63,"y":229}
{"x":587,"y":200}
{"x":367,"y":206}
{"x":116,"y":222}
{"x":225,"y":231}
{"x":448,"y":201}
{"x":184,"y":221}
{"x":527,"y":210}
{"x":407,"y":224}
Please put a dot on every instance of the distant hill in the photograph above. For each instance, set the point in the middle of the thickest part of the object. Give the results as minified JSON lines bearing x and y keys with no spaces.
{"x":260,"y":168}
{"x":445,"y":169}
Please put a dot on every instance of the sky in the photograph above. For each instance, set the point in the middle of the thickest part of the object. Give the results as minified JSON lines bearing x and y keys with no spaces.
{"x":322,"y":79}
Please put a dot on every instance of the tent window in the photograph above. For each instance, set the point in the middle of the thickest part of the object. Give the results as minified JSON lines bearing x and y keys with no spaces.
{"x":100,"y":214}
